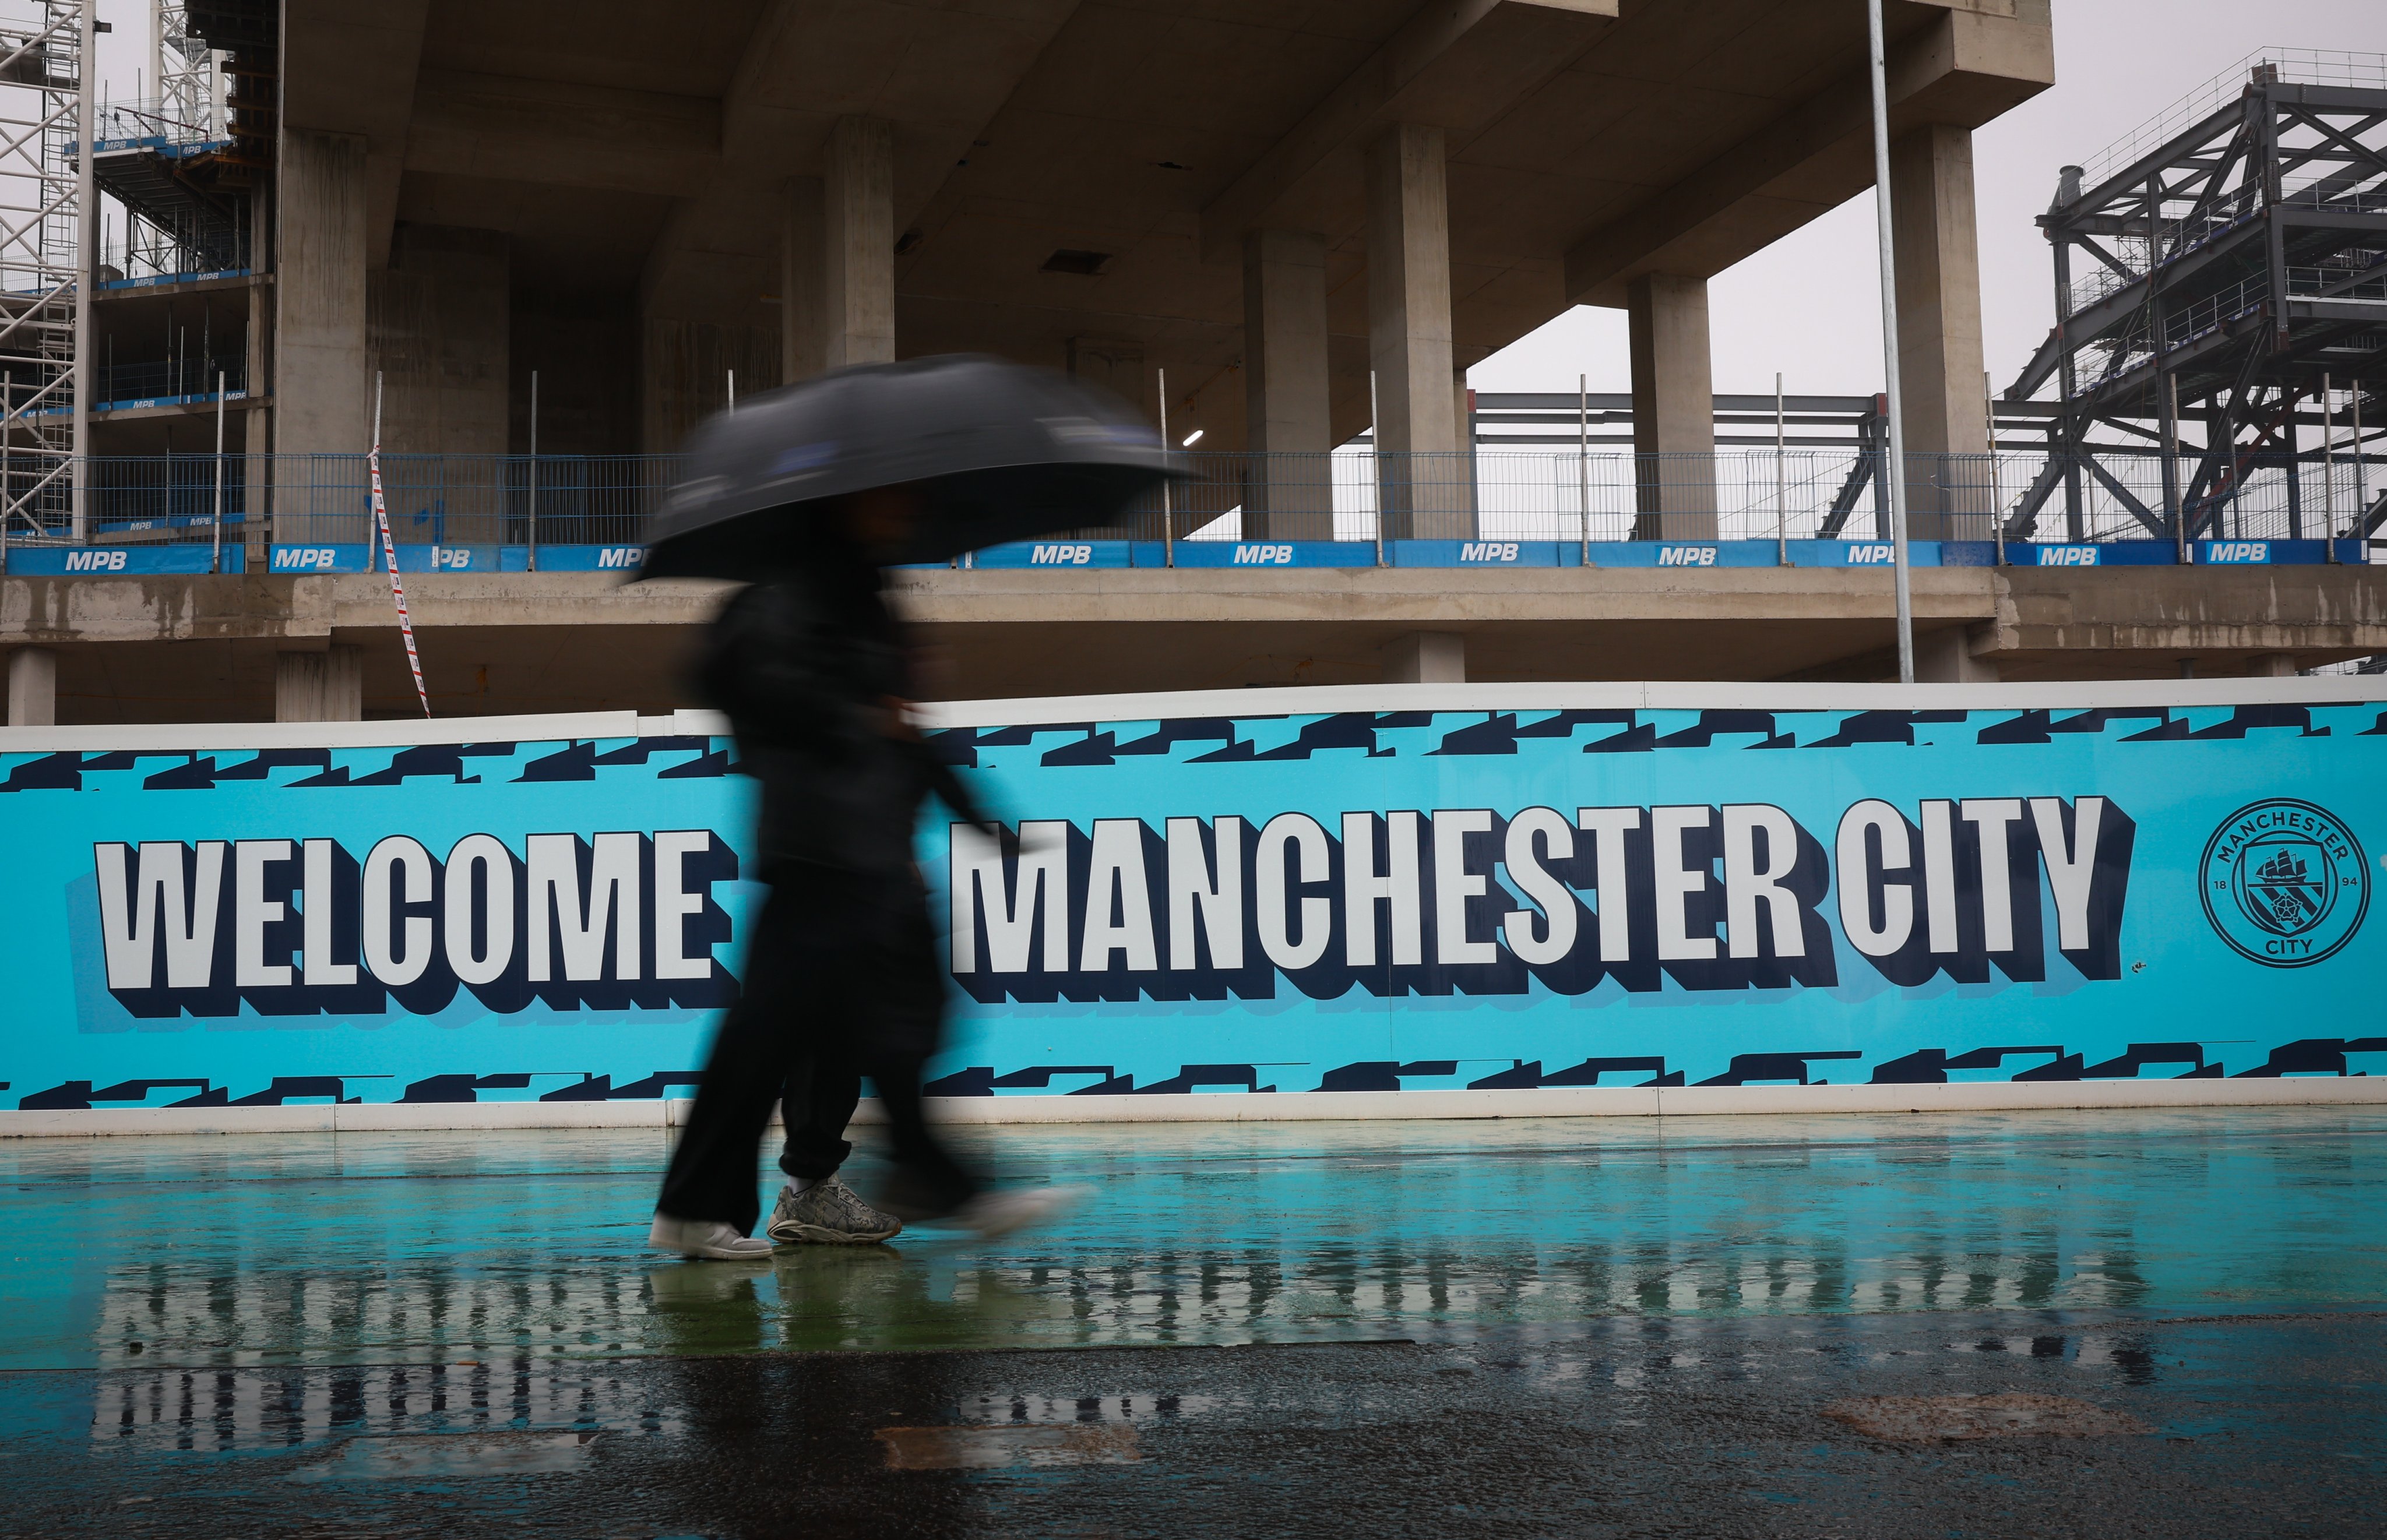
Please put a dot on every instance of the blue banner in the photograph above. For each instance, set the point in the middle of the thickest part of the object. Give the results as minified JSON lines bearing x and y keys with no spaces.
{"x":1490,"y":886}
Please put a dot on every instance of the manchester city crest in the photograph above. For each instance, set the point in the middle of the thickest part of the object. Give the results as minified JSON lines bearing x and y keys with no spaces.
{"x":2285,"y":882}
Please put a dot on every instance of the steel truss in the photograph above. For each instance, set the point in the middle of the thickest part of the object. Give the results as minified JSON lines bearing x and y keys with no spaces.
{"x":2232,"y":277}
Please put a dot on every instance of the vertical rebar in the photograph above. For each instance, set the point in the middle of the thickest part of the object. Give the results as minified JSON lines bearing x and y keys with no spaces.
{"x":215,"y":561}
{"x":1167,"y":502}
{"x":1896,"y":459}
{"x":2361,"y":470}
{"x":2327,"y":471}
{"x":1376,"y":462}
{"x":1583,"y":456}
{"x":533,"y":560}
{"x":2171,"y":460}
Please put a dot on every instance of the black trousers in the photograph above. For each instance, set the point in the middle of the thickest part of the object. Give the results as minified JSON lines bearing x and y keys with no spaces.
{"x":837,"y":975}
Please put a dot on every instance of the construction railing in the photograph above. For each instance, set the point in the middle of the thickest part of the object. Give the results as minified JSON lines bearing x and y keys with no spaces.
{"x":521,"y":506}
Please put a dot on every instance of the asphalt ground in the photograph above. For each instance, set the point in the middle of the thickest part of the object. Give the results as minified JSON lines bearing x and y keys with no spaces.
{"x":2053,"y":1324}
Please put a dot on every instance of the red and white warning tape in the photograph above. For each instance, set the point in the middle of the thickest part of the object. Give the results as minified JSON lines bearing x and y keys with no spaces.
{"x":397,"y":592}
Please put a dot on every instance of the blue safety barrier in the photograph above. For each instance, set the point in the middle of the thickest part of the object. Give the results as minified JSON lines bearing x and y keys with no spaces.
{"x":119,"y":560}
{"x":626,"y":560}
{"x":1259,"y":553}
{"x":1055,"y":553}
{"x":2273,"y":553}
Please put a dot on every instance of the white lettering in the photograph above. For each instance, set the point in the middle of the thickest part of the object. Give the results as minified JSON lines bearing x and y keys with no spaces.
{"x":1117,"y":871}
{"x":677,"y":903}
{"x":1993,"y":818}
{"x":2068,"y":871}
{"x":1043,"y":869}
{"x":1607,"y":826}
{"x":1746,"y":884}
{"x":553,"y":864}
{"x":1939,"y":876}
{"x":1559,"y":914}
{"x":406,"y":859}
{"x":252,"y":912}
{"x":486,"y":855}
{"x":1857,"y":879}
{"x":1454,"y":885}
{"x":316,"y":895}
{"x":188,"y":923}
{"x":1191,"y":882}
{"x":1268,"y":892}
{"x":1676,"y":882}
{"x":1363,"y":885}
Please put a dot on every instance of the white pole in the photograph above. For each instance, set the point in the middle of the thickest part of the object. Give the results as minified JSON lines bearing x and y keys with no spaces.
{"x":1376,"y":462}
{"x":1583,"y":457}
{"x":86,"y":261}
{"x":733,"y":390}
{"x":1896,"y":454}
{"x":533,"y":471}
{"x":1997,"y":483}
{"x":2329,"y":470}
{"x":1781,"y":479}
{"x":1168,"y":503}
{"x":2361,"y":466}
{"x":215,"y":563}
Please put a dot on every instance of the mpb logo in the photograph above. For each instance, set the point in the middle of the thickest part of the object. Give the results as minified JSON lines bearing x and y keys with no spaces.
{"x":95,"y":561}
{"x":2238,"y":553}
{"x":1687,"y":556}
{"x":1879,"y":553}
{"x":304,"y":558}
{"x":1263,"y":556}
{"x":450,"y":559}
{"x":623,"y":557}
{"x":2068,"y":556}
{"x":1488,"y":550}
{"x":2284,"y":882}
{"x":1060,"y":556}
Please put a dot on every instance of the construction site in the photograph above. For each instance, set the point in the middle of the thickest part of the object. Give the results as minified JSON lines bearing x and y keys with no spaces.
{"x":508,"y":259}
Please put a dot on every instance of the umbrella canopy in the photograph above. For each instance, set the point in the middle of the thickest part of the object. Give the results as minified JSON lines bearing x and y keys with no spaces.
{"x":1000,"y":451}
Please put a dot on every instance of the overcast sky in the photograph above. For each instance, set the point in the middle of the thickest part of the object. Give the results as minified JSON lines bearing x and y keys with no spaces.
{"x":2118,"y":64}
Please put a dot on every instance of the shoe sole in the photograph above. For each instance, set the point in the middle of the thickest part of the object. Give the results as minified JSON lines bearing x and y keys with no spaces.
{"x":821,"y":1235}
{"x":712,"y":1255}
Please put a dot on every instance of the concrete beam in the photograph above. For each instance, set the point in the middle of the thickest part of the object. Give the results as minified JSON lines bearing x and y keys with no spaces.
{"x":351,"y":66}
{"x":562,"y":134}
{"x":1449,"y":66}
{"x":1960,"y":66}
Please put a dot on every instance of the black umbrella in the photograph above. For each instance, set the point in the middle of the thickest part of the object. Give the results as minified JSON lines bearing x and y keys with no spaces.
{"x":1000,"y":451}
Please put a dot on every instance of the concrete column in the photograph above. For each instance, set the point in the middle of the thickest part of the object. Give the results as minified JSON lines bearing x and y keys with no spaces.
{"x":257,"y":423}
{"x":440,"y":335}
{"x":322,"y":388}
{"x":1945,"y":657}
{"x":32,"y":687}
{"x":1426,"y":658}
{"x":1673,"y":407}
{"x":1408,"y":336}
{"x":803,"y":283}
{"x":1939,"y":359}
{"x":320,"y":686}
{"x":1291,"y":494}
{"x":858,"y":208}
{"x":2272,"y":665}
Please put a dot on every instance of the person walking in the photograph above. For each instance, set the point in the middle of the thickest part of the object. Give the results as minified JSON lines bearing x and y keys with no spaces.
{"x":842,"y":978}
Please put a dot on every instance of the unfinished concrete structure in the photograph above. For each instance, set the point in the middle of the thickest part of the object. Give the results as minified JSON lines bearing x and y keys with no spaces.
{"x":1278,"y":205}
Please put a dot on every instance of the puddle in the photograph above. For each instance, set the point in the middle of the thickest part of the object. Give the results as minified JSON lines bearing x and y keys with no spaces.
{"x":434,"y":1455}
{"x":996,"y":1448}
{"x":2013,"y":1415}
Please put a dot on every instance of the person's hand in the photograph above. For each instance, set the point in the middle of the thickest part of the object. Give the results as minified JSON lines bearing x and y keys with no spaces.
{"x":895,"y":719}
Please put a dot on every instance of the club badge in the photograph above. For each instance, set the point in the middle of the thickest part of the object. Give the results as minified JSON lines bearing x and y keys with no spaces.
{"x":2284,"y":882}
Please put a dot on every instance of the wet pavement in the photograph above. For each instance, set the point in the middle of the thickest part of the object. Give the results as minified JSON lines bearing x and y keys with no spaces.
{"x":2053,"y":1323}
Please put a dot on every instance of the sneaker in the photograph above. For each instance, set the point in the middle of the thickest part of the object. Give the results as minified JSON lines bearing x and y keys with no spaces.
{"x":706,"y":1240}
{"x":828,"y":1213}
{"x":992,"y":1214}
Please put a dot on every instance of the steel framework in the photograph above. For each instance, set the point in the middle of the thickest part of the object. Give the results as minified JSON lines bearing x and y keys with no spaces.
{"x":2226,"y":271}
{"x":45,"y":113}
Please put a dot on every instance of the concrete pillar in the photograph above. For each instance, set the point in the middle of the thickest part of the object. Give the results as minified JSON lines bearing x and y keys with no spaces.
{"x":440,"y":338}
{"x":1945,"y":657}
{"x":1290,"y":495}
{"x":320,"y":686}
{"x":803,"y":283}
{"x":32,"y":687}
{"x":2272,"y":665}
{"x":1426,"y":658}
{"x":1673,"y":409}
{"x":1939,"y":359}
{"x":858,"y":211}
{"x":1408,"y":336}
{"x":257,"y":423}
{"x":322,"y":388}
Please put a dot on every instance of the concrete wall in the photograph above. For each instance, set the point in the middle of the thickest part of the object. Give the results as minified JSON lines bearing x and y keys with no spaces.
{"x":438,"y":334}
{"x":684,"y":373}
{"x":585,"y":354}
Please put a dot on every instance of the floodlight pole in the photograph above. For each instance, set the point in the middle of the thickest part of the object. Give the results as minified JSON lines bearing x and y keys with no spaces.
{"x":1896,"y":456}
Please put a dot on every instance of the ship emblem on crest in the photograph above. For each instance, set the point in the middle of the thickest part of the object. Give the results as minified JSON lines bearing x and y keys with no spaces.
{"x":2285,"y":882}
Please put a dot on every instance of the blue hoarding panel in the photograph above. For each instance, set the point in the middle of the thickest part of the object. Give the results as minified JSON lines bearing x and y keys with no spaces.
{"x":1907,"y":891}
{"x":1261,"y":553}
{"x":2104,"y":553}
{"x":1481,"y":553}
{"x":2274,"y":553}
{"x":329,"y":557}
{"x":121,"y":561}
{"x":621,"y":558}
{"x":1054,"y":553}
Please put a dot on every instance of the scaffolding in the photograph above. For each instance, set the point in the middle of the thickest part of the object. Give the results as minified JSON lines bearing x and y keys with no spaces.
{"x":2224,"y":270}
{"x":190,"y":75}
{"x":46,"y":208}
